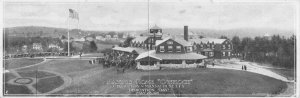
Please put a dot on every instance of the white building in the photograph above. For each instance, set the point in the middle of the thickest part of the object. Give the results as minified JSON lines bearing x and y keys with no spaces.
{"x":115,"y":37}
{"x":37,"y":46}
{"x":125,"y":35}
{"x":24,"y":48}
{"x":107,"y":37}
{"x":89,"y":38}
{"x":100,"y":38}
{"x":79,"y":39}
{"x":53,"y":46}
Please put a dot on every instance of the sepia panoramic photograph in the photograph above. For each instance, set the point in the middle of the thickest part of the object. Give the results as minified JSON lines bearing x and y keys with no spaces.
{"x":149,"y":48}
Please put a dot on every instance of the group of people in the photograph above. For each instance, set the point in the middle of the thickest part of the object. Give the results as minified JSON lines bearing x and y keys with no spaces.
{"x":244,"y":67}
{"x":120,"y":60}
{"x":40,"y":54}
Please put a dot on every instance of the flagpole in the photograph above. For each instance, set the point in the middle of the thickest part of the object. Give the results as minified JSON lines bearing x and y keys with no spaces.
{"x":69,"y":36}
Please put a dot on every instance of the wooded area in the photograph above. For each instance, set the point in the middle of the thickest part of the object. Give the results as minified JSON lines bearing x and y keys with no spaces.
{"x":276,"y":50}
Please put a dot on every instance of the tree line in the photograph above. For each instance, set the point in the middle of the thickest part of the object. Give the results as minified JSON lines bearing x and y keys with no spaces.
{"x":276,"y":50}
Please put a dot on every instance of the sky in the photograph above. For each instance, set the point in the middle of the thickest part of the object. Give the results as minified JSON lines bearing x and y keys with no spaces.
{"x":135,"y":15}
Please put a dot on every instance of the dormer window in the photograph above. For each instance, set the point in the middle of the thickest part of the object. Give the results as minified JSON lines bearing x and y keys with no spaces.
{"x":170,"y":48}
{"x":213,"y":46}
{"x":178,"y":48}
{"x":169,"y":42}
{"x":229,"y":47}
{"x":161,"y":48}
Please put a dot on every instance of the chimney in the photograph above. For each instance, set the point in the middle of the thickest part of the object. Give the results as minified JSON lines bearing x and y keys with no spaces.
{"x":186,"y":34}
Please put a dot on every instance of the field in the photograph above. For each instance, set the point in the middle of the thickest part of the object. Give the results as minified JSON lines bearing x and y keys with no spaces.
{"x":88,"y":78}
{"x":222,"y":82}
{"x":17,"y":63}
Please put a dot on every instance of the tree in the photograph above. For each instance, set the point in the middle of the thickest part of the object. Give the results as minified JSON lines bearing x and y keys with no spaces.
{"x":66,"y":47}
{"x":236,"y":44}
{"x":63,"y":37}
{"x":112,"y":33}
{"x":223,"y":37}
{"x":93,"y":46}
{"x":127,"y":42}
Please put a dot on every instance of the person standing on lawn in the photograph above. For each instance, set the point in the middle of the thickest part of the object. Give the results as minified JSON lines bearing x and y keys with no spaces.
{"x":242,"y":67}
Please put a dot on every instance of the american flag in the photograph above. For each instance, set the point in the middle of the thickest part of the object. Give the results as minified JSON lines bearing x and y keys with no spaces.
{"x":73,"y":14}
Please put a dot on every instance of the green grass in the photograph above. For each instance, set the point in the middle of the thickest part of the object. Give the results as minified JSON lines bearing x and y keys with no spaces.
{"x":16,"y":89}
{"x":35,"y":74}
{"x":8,"y":76}
{"x":48,"y":84}
{"x":223,"y":83}
{"x":17,"y":63}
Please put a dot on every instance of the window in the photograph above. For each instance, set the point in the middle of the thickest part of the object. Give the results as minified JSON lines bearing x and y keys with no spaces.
{"x":190,"y":61}
{"x":165,"y":62}
{"x":211,"y":54}
{"x":213,"y":46}
{"x":170,"y":48}
{"x":178,"y":48}
{"x":223,"y":53}
{"x":229,"y":47}
{"x":144,"y":63}
{"x":169,"y":42}
{"x":151,"y":63}
{"x":176,"y":62}
{"x":161,"y":48}
{"x":189,"y":49}
{"x":223,"y":46}
{"x":195,"y":47}
{"x":201,"y":46}
{"x":229,"y":53}
{"x":199,"y":61}
{"x":206,"y":53}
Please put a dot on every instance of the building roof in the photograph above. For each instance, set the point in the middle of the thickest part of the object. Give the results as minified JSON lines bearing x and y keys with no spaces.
{"x":180,"y":41}
{"x":123,"y":49}
{"x":140,"y":39}
{"x":130,"y":49}
{"x":210,"y":40}
{"x":155,"y":27}
{"x":147,"y":54}
{"x":171,"y":56}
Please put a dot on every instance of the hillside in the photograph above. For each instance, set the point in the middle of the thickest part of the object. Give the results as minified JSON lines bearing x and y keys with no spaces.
{"x":57,"y":32}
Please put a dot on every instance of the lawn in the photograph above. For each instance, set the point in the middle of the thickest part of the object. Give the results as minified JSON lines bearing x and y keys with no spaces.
{"x":48,"y":84}
{"x":220,"y":82}
{"x":17,"y":63}
{"x":16,"y":89}
{"x":206,"y":82}
{"x":8,"y":76}
{"x":92,"y":79}
{"x":62,"y":66}
{"x":93,"y":55}
{"x":35,"y":74}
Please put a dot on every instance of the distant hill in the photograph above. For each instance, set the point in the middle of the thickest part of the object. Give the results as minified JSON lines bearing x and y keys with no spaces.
{"x":58,"y":32}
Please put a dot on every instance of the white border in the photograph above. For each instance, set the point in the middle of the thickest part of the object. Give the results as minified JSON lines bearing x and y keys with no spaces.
{"x":203,"y":1}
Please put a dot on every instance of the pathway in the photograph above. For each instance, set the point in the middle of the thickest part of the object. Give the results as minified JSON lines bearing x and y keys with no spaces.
{"x":252,"y":68}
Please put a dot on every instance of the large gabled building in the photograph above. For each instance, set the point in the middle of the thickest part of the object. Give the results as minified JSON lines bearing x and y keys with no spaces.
{"x":155,"y":51}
